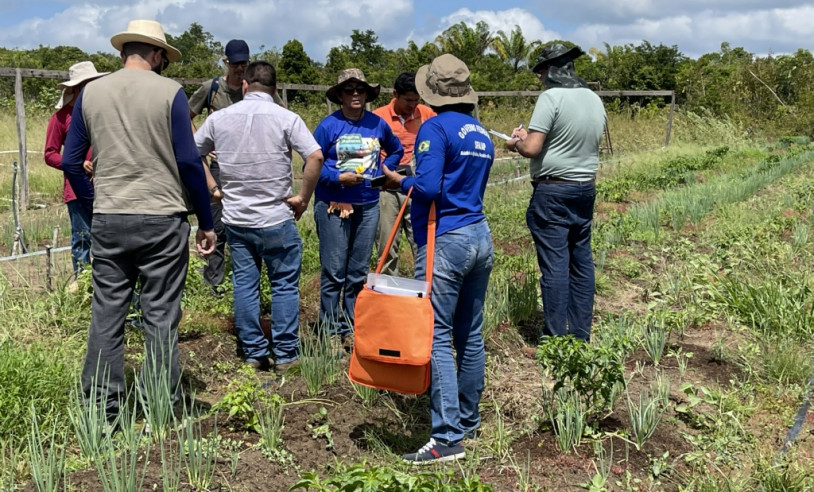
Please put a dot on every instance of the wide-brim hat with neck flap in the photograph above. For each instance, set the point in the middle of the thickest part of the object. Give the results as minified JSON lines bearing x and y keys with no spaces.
{"x":352,"y":75}
{"x":145,"y":31}
{"x":554,"y":52}
{"x":77,"y":73}
{"x":445,"y":81}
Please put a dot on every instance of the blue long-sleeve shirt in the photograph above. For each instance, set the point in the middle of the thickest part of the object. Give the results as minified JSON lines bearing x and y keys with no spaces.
{"x":190,"y":168}
{"x":354,"y":145}
{"x":454,"y":155}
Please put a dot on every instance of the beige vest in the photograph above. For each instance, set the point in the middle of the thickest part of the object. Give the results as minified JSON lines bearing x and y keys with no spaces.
{"x":127,"y":115}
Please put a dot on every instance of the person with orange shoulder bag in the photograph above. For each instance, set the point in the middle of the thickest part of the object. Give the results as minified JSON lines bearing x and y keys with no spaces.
{"x":454,"y":155}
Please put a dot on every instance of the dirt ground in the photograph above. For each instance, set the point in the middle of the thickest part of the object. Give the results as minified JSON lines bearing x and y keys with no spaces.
{"x":358,"y":433}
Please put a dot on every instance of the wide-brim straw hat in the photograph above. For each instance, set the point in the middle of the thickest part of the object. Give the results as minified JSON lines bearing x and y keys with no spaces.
{"x":352,"y":75}
{"x":145,"y":31}
{"x":445,"y":81}
{"x":77,"y":73}
{"x":553,"y":52}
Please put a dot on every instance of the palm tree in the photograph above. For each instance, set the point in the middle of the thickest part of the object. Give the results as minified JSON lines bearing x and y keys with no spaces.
{"x":467,"y":43}
{"x":513,"y":49}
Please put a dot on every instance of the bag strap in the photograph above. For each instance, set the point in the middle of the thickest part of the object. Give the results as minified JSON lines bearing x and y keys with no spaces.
{"x":393,"y":231}
{"x":430,"y":239}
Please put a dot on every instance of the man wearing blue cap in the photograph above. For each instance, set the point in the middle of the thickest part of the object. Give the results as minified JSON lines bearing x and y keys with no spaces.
{"x":215,"y":94}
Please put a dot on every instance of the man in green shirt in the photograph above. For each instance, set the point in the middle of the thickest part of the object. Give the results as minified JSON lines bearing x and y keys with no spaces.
{"x":563,"y":144}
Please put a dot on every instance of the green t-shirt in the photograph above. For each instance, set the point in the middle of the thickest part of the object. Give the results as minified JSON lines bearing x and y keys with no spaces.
{"x":573,"y":121}
{"x":222,"y":98}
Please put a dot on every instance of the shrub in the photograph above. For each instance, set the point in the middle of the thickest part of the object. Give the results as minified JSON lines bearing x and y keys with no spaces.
{"x":592,"y":371}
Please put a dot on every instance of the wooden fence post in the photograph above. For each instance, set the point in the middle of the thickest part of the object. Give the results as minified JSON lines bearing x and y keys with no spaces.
{"x":49,"y":283}
{"x":670,"y":119}
{"x":20,"y":107}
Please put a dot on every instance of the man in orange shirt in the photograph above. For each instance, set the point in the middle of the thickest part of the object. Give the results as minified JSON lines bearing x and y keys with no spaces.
{"x":404,"y":115}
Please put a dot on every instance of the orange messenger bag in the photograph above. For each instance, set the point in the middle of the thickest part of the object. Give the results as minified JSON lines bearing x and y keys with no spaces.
{"x":393,"y":332}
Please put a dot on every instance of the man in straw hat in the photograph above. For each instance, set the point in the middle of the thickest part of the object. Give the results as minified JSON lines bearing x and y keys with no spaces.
{"x":563,"y":143}
{"x":146,"y":168}
{"x":79,"y":74}
{"x":454,"y":155}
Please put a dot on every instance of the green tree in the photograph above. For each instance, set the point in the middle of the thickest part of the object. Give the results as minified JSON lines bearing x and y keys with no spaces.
{"x":467,"y":43}
{"x":200,"y":53}
{"x":297,"y":68}
{"x":513,"y":48}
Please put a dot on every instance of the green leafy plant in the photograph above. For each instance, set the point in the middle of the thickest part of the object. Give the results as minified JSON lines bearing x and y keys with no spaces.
{"x":592,"y":371}
{"x":320,"y":427}
{"x":239,"y":403}
{"x":383,"y":479}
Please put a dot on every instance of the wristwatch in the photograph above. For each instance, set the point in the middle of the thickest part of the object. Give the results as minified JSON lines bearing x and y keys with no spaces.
{"x":213,"y":189}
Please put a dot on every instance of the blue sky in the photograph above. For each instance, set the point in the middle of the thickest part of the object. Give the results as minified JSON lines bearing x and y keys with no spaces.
{"x":696,"y":26}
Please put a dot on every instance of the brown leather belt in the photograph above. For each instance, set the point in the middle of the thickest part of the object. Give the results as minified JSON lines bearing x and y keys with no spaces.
{"x":554,"y":180}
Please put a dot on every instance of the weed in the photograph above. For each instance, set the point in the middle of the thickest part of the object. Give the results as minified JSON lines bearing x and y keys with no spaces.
{"x":384,"y":479}
{"x":682,"y":360}
{"x":786,"y":362}
{"x":239,"y":402}
{"x":321,"y":428}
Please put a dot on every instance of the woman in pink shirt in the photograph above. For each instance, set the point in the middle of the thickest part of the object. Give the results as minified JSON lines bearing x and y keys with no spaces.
{"x":80,"y":74}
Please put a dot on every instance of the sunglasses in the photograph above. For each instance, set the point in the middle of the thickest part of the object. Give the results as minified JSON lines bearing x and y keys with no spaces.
{"x":165,"y":62}
{"x":350,"y":89}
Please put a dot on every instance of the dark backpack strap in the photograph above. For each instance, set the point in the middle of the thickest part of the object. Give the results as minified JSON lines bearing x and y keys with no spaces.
{"x":213,"y":88}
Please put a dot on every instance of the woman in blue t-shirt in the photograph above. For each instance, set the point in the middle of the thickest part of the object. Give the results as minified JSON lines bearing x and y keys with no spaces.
{"x":454,"y":155}
{"x":346,"y":207}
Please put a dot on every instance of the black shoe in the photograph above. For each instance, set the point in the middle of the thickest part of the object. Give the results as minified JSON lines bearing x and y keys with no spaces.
{"x":262,"y":364}
{"x":435,"y":452}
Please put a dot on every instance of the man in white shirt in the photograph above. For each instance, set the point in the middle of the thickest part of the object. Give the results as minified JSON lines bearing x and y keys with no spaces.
{"x":254,"y":139}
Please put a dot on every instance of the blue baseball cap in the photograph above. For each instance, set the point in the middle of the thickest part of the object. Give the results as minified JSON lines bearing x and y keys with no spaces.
{"x":237,"y":51}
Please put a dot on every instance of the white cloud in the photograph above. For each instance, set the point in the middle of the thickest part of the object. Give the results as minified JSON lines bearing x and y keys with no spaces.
{"x":501,"y":20}
{"x":323,"y":24}
{"x":759,"y":31}
{"x":696,"y":26}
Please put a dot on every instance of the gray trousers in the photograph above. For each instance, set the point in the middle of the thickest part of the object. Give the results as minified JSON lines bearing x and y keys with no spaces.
{"x":213,"y":272}
{"x":389,"y":204}
{"x":124,"y":248}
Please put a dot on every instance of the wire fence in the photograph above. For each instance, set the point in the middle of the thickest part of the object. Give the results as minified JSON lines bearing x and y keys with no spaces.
{"x":47,"y":267}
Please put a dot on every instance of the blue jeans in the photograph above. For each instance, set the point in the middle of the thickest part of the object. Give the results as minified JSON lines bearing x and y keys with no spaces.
{"x":559,"y":217}
{"x":345,"y":247}
{"x":80,"y":235}
{"x":463,"y":262}
{"x":280,"y":247}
